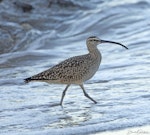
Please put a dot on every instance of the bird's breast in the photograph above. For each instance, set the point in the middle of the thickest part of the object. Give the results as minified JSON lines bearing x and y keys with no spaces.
{"x":93,"y":66}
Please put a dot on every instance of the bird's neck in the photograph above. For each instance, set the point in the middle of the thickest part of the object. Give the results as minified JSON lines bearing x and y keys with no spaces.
{"x":93,"y":50}
{"x":91,"y":47}
{"x":95,"y":53}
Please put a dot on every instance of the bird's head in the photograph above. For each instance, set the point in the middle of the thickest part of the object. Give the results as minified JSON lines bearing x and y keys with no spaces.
{"x":93,"y":41}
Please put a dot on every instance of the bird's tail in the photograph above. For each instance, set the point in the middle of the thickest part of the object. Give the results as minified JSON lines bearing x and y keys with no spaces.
{"x":27,"y":80}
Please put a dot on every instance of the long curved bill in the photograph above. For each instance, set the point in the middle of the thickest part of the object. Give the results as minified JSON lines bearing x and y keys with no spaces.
{"x":112,"y":42}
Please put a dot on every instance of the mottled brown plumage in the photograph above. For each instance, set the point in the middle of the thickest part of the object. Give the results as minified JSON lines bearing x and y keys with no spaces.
{"x":75,"y":70}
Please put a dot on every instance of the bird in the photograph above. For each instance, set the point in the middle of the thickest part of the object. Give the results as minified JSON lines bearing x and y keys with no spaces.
{"x":75,"y":70}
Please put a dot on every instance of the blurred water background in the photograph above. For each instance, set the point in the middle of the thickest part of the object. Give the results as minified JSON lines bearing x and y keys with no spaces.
{"x":37,"y":36}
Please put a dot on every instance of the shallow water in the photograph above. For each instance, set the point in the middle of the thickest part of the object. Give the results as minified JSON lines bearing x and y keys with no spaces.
{"x":31,"y":42}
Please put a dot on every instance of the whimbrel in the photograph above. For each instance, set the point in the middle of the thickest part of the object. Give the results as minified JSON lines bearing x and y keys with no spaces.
{"x":75,"y":70}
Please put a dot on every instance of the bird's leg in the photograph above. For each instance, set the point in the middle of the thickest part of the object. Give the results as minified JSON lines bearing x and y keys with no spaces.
{"x":87,"y":94}
{"x":63,"y":94}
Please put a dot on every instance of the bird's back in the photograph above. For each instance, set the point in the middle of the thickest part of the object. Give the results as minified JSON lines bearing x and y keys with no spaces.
{"x":74,"y":70}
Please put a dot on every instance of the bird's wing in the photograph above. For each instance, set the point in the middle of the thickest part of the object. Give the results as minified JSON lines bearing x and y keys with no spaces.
{"x":67,"y":68}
